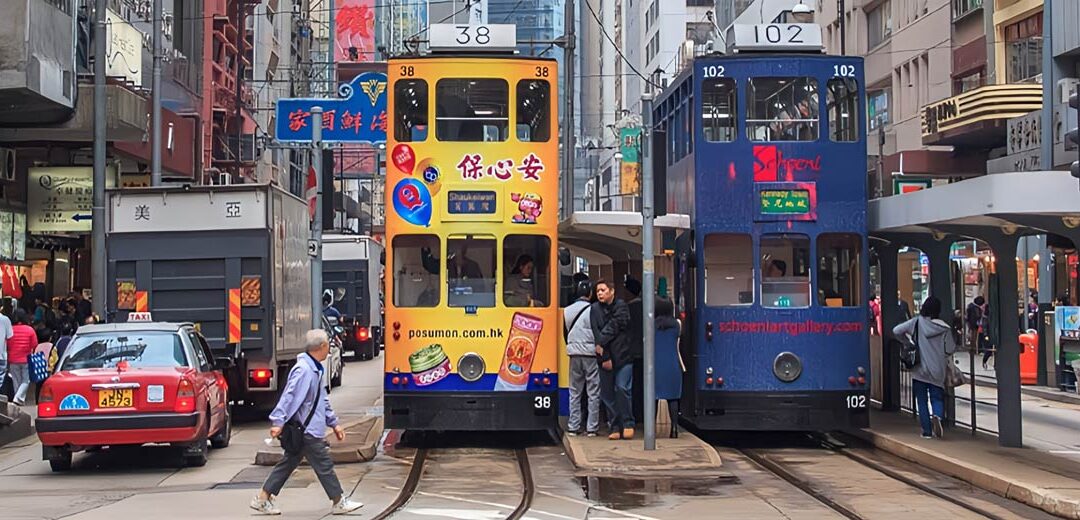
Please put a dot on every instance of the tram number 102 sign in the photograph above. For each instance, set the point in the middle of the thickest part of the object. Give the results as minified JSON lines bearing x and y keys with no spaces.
{"x":475,"y":38}
{"x":776,"y":36}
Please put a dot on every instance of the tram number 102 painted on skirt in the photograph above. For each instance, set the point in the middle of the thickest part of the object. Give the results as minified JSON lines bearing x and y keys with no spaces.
{"x":856,"y":401}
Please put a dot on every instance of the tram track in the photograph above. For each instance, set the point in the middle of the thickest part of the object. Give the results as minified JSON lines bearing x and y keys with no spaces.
{"x":412,"y":486}
{"x":794,"y":467}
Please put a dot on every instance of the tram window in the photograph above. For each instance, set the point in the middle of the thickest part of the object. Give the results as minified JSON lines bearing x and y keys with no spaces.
{"x":785,"y":270}
{"x":470,"y":271}
{"x":729,"y":270}
{"x":782,"y":109}
{"x":843,"y":99}
{"x":525,"y":270}
{"x":416,"y":270}
{"x":718,"y":110}
{"x":472,"y":110}
{"x":533,"y":111}
{"x":411,"y":108}
{"x":839,"y":270}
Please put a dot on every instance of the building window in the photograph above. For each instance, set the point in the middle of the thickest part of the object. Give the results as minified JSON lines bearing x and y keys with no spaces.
{"x":470,"y":271}
{"x":879,"y":24}
{"x":785,"y":270}
{"x":969,"y":81}
{"x":839,"y":269}
{"x":699,"y":32}
{"x":533,"y":111}
{"x":416,"y":270}
{"x":525,"y":268}
{"x":1023,"y":49}
{"x":699,"y":3}
{"x":782,"y":109}
{"x":877,"y":107}
{"x":411,"y":107}
{"x":472,"y":110}
{"x":729,"y":270}
{"x":718,"y":110}
{"x":843,"y":100}
{"x":961,"y":8}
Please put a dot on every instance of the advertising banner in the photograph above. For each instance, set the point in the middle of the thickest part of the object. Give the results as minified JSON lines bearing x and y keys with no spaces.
{"x":630,"y":171}
{"x":354,"y":28}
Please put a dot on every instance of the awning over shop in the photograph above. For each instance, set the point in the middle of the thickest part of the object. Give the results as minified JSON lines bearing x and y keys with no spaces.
{"x":615,"y":234}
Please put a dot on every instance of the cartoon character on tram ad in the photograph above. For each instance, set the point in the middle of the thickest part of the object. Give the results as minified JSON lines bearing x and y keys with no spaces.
{"x":530,"y":206}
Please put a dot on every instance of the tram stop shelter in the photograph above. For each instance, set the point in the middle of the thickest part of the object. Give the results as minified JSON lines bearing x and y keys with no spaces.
{"x":996,"y":209}
{"x":611,"y":240}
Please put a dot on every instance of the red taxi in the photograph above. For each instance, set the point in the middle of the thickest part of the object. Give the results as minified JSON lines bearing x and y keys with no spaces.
{"x":130,"y":384}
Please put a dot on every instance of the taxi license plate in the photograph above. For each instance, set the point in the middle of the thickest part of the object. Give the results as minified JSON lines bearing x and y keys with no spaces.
{"x":118,"y":398}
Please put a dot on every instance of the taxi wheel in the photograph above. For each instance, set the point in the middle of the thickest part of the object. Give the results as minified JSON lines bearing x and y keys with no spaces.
{"x":195,"y":455}
{"x":222,"y":437}
{"x":61,"y":461}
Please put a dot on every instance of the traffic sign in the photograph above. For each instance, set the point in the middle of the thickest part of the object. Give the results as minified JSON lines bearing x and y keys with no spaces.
{"x":313,"y":247}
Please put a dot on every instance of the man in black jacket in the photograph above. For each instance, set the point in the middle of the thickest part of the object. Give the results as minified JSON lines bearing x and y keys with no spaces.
{"x":637,"y":346}
{"x":610,"y":319}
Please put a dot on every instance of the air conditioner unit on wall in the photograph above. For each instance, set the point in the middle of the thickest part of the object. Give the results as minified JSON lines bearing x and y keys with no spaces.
{"x":7,"y":164}
{"x":1065,"y":88}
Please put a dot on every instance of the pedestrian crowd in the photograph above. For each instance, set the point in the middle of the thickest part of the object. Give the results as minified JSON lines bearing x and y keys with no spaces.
{"x":34,"y":331}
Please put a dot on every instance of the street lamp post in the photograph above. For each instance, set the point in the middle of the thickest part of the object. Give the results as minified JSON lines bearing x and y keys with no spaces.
{"x":648,"y":301}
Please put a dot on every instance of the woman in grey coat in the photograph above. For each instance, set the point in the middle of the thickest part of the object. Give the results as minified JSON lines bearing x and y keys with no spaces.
{"x":936,"y":343}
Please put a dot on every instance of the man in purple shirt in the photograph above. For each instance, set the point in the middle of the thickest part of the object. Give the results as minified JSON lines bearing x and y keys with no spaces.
{"x":301,"y":393}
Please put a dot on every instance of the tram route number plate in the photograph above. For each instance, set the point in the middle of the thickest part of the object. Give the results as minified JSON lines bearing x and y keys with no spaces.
{"x":542,"y":402}
{"x":482,"y":37}
{"x":856,"y":402}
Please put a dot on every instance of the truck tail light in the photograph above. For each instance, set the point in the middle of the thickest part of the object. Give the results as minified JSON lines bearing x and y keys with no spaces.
{"x":185,"y":396}
{"x":46,"y":406}
{"x":362,"y":333}
{"x":260,"y":377}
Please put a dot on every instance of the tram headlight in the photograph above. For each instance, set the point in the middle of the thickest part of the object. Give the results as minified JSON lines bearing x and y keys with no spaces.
{"x":787,"y":367}
{"x":471,"y":367}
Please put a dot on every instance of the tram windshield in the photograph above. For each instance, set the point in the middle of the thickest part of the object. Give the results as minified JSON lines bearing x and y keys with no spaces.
{"x":525,"y":268}
{"x":718,"y":109}
{"x":533,"y":111}
{"x":471,"y":110}
{"x":843,"y":102}
{"x":785,"y":270}
{"x":782,"y":109}
{"x":470,"y":271}
{"x":410,"y":110}
{"x":416,"y":270}
{"x":839,"y":276}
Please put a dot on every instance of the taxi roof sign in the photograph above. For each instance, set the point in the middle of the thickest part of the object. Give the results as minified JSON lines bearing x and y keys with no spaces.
{"x":139,"y":317}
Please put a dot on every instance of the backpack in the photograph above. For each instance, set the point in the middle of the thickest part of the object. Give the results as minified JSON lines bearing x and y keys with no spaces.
{"x":909,"y":353}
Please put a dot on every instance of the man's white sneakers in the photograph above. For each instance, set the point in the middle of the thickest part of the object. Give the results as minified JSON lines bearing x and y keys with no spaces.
{"x":345,"y":506}
{"x":265,"y":507}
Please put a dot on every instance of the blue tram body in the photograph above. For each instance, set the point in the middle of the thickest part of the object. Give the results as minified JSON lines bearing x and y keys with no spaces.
{"x":767,"y":154}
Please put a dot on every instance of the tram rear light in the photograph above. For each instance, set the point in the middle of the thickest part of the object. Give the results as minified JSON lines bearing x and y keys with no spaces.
{"x":851,"y":380}
{"x":547,"y":381}
{"x":397,"y":325}
{"x":397,"y":335}
{"x":709,"y":381}
{"x":862,"y":380}
{"x":395,"y":380}
{"x":719,"y":381}
{"x":405,"y":381}
{"x":861,"y":371}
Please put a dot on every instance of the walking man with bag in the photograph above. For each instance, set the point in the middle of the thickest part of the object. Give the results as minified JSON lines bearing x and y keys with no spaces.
{"x":931,"y":368}
{"x":299,"y":421}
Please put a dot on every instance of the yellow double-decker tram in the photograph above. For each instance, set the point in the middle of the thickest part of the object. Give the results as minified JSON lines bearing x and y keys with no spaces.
{"x":472,"y":213}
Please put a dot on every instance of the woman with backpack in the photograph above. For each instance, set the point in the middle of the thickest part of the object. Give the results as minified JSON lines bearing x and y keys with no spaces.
{"x":934,"y":344}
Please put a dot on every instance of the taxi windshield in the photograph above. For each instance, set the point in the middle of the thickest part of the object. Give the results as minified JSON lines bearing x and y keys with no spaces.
{"x":139,"y":349}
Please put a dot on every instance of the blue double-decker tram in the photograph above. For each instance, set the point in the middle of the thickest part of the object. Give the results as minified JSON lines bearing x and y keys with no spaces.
{"x":767,"y":154}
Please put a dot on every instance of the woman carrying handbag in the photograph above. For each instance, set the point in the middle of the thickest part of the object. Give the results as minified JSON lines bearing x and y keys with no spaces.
{"x":934,"y":340}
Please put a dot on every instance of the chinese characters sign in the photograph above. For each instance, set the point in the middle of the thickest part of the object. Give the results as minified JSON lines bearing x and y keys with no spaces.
{"x":354,"y":23}
{"x":630,"y":170}
{"x":472,"y":167}
{"x":470,"y":202}
{"x":785,"y":202}
{"x":357,"y":117}
{"x":60,"y":200}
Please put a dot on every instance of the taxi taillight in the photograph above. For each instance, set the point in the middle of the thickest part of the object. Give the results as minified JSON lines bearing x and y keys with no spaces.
{"x":185,"y":396}
{"x":46,"y":405}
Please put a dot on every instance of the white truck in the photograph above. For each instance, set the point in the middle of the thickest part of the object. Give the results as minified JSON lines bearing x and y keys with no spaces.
{"x":233,"y":260}
{"x":352,"y":269}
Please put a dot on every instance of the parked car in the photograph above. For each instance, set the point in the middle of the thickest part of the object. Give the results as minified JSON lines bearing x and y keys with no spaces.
{"x":135,"y":383}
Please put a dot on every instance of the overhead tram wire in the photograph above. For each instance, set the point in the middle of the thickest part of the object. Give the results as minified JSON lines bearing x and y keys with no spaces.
{"x":617,"y":49}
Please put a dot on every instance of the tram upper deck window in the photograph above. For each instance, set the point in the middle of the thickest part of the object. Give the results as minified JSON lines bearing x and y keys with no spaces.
{"x":729,"y":270}
{"x":782,"y":109}
{"x":785,"y":271}
{"x":839,"y":270}
{"x":526,"y":268}
{"x":416,"y":270}
{"x":470,"y":271}
{"x":411,"y":109}
{"x":842,"y":95}
{"x":533,"y":111}
{"x":472,"y":110}
{"x":718,"y":110}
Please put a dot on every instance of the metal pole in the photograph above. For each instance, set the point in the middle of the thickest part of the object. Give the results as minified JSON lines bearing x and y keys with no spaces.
{"x":155,"y":99}
{"x":1024,"y":271}
{"x":881,"y":159}
{"x":648,"y":300}
{"x":99,"y":260}
{"x":316,"y":225}
{"x":841,"y":17}
{"x":568,"y":116}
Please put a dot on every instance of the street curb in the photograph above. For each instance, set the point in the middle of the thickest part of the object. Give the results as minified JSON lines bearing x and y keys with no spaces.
{"x":368,"y":429}
{"x":1049,"y":395}
{"x":599,"y":455}
{"x":1047,"y":500}
{"x":15,"y":424}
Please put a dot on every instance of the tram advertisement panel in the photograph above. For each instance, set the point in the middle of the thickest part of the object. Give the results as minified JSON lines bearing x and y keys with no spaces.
{"x":472,"y":214}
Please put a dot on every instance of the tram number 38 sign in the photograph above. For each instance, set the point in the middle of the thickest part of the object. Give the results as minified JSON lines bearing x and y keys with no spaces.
{"x":486,"y":37}
{"x":542,"y":402}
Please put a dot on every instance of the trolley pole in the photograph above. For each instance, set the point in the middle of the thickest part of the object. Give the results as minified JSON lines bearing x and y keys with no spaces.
{"x":155,"y":93}
{"x":648,"y":300}
{"x":100,"y":259}
{"x":315,"y":245}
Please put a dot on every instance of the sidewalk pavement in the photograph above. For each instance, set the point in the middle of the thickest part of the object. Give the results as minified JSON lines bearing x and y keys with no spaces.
{"x":360,"y":445}
{"x":15,"y":423}
{"x":988,"y":377}
{"x":629,"y":458}
{"x":1036,"y":478}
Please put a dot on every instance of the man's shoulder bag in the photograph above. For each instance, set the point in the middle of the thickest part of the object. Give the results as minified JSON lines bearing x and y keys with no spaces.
{"x":292,"y":432}
{"x":909,"y":354}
